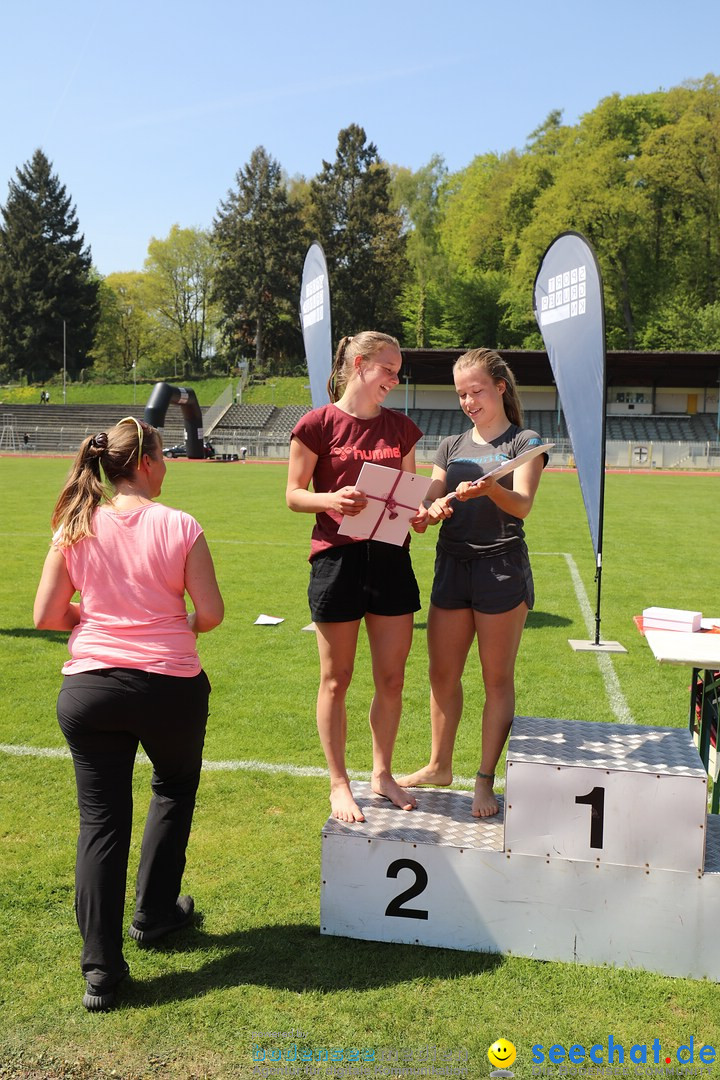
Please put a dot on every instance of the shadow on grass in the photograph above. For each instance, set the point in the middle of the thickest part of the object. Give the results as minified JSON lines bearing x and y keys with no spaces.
{"x":30,"y":632}
{"x":537,"y":619}
{"x":298,"y":958}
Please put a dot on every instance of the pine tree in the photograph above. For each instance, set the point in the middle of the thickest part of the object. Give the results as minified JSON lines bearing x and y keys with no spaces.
{"x":260,"y":247}
{"x":362,"y":236}
{"x":46,"y":278}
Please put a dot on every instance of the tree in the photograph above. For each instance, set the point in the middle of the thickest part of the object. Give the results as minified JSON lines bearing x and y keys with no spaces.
{"x":417,"y":196}
{"x":179,"y":281}
{"x":681,"y":169}
{"x":473,"y":233}
{"x":596,"y":186}
{"x":129,"y":333}
{"x":48,"y":292}
{"x":260,"y":246}
{"x":362,"y":235}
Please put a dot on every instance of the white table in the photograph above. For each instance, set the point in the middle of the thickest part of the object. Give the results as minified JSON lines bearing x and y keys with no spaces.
{"x":701,"y":652}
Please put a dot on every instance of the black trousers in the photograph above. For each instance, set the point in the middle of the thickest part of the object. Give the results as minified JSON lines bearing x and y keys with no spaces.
{"x":105,"y":715}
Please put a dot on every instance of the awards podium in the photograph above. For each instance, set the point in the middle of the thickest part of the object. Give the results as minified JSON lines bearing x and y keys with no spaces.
{"x":603,"y":853}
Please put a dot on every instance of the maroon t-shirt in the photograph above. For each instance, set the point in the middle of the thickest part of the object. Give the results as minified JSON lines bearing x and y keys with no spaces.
{"x":342,"y":444}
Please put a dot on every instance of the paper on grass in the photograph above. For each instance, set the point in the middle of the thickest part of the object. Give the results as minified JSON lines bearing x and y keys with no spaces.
{"x":267,"y":620}
{"x":393,"y":500}
{"x":513,"y":463}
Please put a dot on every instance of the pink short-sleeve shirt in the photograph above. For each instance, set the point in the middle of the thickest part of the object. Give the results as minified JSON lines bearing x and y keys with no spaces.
{"x":131,"y":578}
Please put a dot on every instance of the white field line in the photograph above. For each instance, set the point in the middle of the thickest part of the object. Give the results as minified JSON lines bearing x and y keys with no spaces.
{"x":616,"y":698}
{"x":274,"y":768}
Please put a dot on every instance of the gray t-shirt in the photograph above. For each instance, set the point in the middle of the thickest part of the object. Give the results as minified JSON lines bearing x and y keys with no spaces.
{"x":478,"y":527}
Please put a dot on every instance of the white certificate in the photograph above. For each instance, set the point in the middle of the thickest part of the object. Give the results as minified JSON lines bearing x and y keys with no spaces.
{"x":393,"y":500}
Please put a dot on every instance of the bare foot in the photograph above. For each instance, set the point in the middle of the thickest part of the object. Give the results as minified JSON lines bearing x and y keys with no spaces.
{"x":427,"y":777}
{"x":383,"y":784}
{"x":484,"y":803}
{"x":342,"y":804}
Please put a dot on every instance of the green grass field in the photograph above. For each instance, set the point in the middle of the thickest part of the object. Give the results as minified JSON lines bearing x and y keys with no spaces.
{"x":256,"y":960}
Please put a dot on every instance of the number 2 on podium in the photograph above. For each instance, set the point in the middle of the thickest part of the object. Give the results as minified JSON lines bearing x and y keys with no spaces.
{"x":395,"y":907}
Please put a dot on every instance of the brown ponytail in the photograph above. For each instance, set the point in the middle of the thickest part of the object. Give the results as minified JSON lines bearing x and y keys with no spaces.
{"x":117,"y":451}
{"x":336,"y":382}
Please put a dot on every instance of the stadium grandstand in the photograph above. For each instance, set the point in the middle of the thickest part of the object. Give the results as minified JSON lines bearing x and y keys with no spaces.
{"x":661,"y":410}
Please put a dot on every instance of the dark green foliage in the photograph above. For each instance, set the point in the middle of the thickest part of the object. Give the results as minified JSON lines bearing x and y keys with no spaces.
{"x":260,"y":246}
{"x":361,"y":233}
{"x":639,"y":176}
{"x":46,"y":278}
{"x":417,"y":197}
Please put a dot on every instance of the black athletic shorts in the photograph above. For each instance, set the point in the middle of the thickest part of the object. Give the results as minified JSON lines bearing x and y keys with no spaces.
{"x":364,"y":577}
{"x":490,"y":585}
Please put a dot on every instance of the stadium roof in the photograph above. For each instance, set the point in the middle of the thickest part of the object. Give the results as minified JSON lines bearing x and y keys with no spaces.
{"x":532,"y":367}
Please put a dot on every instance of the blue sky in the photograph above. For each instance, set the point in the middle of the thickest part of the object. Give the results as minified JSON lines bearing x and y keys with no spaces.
{"x":147,"y":109}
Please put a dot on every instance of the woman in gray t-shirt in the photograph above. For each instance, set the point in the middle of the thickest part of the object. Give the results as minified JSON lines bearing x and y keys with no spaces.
{"x":483,"y":585}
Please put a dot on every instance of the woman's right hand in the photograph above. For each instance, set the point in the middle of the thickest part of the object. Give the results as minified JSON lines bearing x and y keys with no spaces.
{"x":440,"y":510}
{"x":348,"y":500}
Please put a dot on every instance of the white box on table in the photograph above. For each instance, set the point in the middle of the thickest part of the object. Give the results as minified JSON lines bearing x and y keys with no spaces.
{"x":662,"y":618}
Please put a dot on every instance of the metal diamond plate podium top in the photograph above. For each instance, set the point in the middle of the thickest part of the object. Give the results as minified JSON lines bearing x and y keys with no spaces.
{"x":712,"y":845}
{"x":622,"y":747}
{"x":441,"y":818}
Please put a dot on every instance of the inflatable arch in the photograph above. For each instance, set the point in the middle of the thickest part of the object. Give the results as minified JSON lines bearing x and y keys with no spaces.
{"x":163,"y":394}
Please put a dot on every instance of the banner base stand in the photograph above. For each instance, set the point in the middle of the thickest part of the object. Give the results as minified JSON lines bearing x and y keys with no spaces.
{"x":593,"y":646}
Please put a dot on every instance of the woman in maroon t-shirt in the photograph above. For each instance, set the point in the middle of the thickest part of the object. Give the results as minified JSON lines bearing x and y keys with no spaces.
{"x":352,"y":580}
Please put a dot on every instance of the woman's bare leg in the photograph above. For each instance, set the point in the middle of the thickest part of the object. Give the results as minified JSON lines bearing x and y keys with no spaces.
{"x":390,"y":638}
{"x":498,"y":643}
{"x":337,"y":644}
{"x":449,"y":634}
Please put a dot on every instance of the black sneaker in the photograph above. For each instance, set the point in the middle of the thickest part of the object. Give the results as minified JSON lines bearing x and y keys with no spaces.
{"x":97,"y":1000}
{"x":181,"y":916}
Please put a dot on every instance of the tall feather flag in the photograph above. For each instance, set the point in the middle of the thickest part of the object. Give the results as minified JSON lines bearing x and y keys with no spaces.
{"x":315,"y":323}
{"x":569,"y":308}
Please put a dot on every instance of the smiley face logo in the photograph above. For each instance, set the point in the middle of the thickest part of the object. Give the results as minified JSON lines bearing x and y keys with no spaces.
{"x":501,"y":1054}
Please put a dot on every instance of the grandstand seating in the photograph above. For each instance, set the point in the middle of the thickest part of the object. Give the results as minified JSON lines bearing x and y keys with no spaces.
{"x":698,"y":428}
{"x":247,"y":417}
{"x":61,"y":428}
{"x":284,"y":420}
{"x":545,"y":422}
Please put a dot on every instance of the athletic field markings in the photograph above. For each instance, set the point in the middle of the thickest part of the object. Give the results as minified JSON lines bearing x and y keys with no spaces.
{"x":615,"y":696}
{"x":274,"y":768}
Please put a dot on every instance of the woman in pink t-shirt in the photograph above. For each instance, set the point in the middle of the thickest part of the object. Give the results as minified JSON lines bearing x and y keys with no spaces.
{"x":351,"y":579}
{"x":133,"y":678}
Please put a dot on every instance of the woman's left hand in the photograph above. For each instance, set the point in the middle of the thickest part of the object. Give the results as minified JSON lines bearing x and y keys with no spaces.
{"x":475,"y":488}
{"x":440,"y":510}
